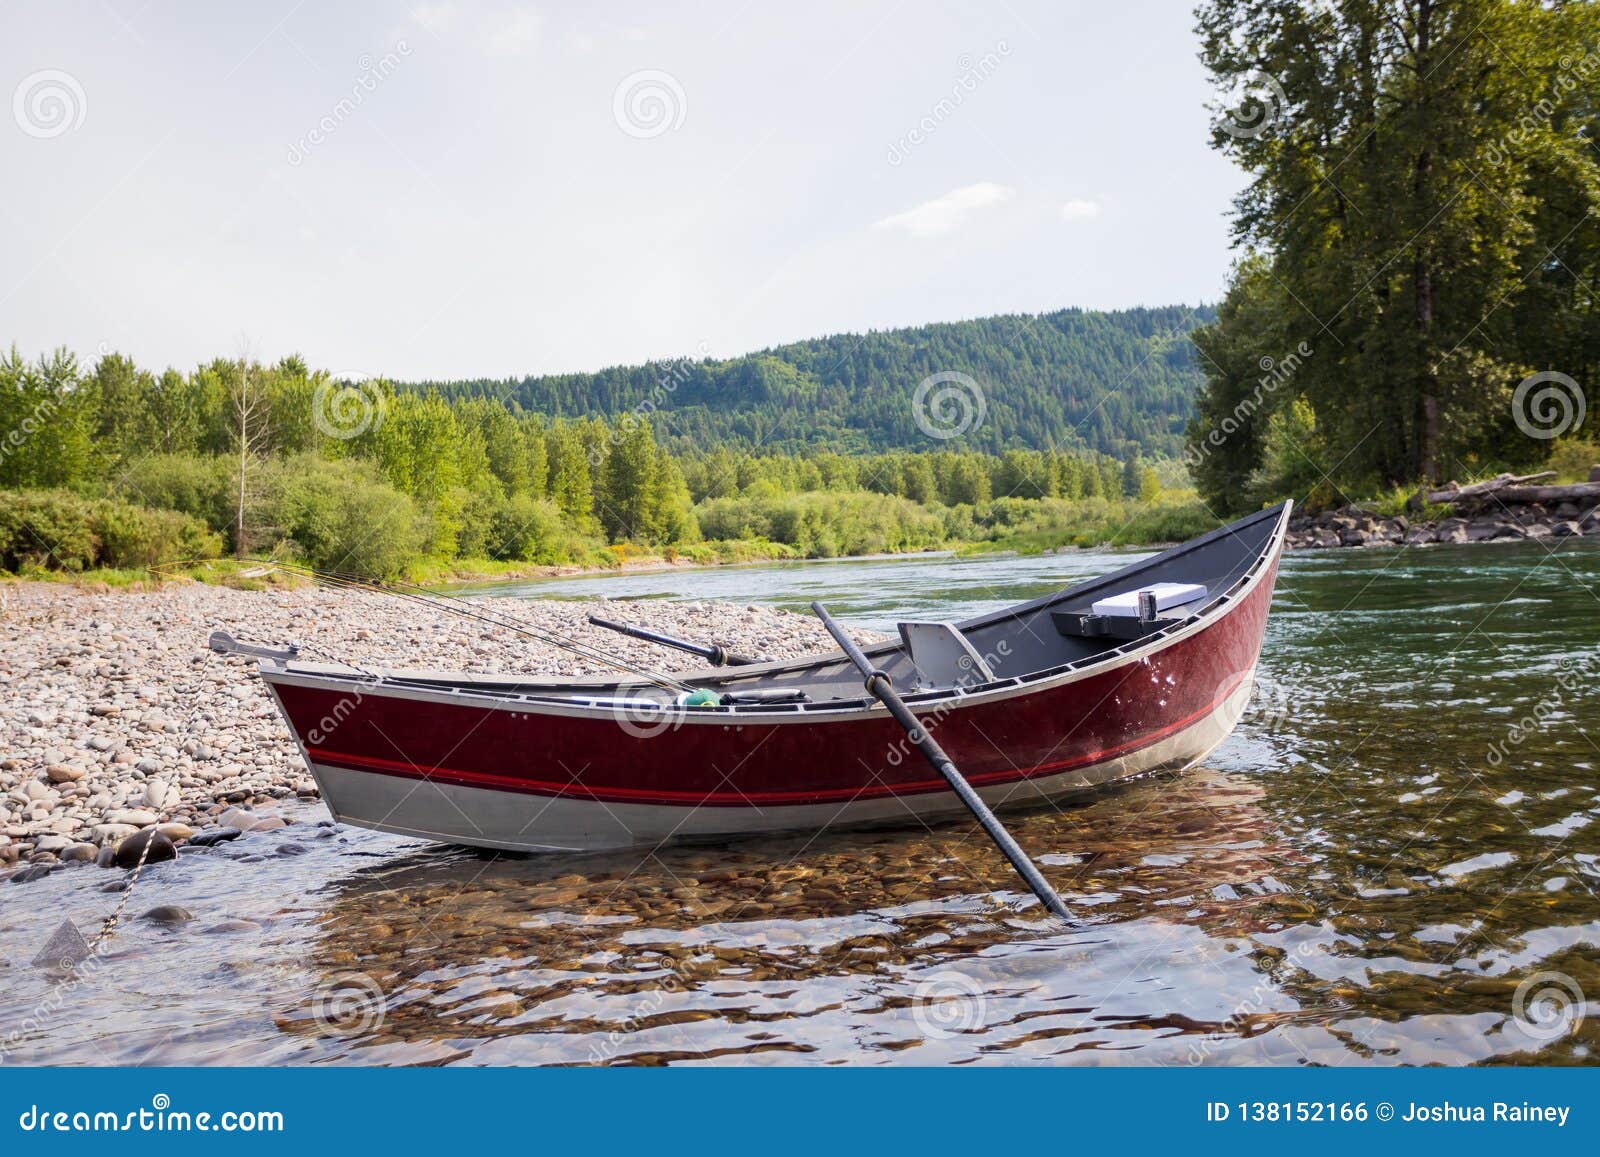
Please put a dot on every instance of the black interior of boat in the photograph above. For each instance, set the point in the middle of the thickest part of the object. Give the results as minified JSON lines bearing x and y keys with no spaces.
{"x":1049,"y":635}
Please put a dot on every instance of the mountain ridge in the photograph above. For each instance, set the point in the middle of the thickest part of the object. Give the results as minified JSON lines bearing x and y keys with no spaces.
{"x":1120,"y":382}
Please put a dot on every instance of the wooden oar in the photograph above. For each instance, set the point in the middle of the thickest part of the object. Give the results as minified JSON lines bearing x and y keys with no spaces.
{"x":879,"y":685}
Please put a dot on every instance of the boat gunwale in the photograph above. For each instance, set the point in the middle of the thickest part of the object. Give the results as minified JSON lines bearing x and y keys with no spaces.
{"x":389,"y":685}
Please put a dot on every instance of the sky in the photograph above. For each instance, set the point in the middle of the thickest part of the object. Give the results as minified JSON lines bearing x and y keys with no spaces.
{"x":477,"y":188}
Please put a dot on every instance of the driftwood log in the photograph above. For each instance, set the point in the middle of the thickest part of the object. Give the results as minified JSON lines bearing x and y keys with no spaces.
{"x":1514,"y":488}
{"x":1454,"y":491}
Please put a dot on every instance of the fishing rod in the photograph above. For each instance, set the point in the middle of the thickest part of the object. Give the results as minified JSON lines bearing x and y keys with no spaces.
{"x":457,"y":605}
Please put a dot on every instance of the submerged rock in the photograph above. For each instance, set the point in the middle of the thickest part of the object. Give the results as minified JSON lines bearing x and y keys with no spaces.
{"x":168,"y":914}
{"x":130,"y":849}
{"x":213,"y":836}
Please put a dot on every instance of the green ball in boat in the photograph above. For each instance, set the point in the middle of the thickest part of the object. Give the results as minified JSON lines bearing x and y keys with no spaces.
{"x":701,"y":697}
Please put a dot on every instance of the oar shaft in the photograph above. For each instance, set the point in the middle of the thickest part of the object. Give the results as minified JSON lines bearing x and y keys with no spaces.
{"x":878,"y":683}
{"x":717,"y":656}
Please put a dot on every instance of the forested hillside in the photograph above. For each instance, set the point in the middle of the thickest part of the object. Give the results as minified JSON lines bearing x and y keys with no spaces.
{"x":115,"y":466}
{"x":1119,"y":383}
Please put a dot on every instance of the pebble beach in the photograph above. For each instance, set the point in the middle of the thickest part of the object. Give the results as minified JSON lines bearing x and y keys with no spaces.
{"x":121,"y":727}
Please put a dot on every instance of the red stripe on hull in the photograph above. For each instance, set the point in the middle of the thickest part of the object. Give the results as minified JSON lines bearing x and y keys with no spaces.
{"x":465,"y":778}
{"x":1038,"y":732}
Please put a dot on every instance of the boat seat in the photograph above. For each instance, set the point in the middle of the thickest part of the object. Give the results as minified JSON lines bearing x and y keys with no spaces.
{"x":943,"y":656}
{"x":1128,"y":615}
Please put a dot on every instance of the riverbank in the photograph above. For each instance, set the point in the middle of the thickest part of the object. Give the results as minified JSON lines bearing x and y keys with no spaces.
{"x":1489,"y":522}
{"x":119,"y":720}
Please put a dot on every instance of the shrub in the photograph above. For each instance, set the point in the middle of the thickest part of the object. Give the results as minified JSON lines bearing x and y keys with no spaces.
{"x":45,"y":528}
{"x":532,"y":529}
{"x":137,"y":536}
{"x":825,"y":523}
{"x":1571,"y":459}
{"x":202,"y":487}
{"x":58,"y":530}
{"x":339,"y":516}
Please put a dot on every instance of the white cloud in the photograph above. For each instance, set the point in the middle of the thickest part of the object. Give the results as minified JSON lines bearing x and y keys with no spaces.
{"x":1077,"y":210}
{"x":942,"y":214}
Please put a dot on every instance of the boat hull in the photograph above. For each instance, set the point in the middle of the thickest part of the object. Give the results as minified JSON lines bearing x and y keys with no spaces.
{"x":467,"y":769}
{"x":526,"y":822}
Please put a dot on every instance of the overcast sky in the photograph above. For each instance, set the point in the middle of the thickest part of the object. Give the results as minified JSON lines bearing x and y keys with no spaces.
{"x":471,"y":188}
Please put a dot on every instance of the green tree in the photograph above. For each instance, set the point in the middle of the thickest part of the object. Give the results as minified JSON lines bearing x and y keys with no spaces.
{"x":1402,"y":155}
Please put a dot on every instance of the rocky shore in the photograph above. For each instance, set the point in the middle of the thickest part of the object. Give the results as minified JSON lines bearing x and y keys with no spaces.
{"x":120,"y":727}
{"x":1482,"y":522}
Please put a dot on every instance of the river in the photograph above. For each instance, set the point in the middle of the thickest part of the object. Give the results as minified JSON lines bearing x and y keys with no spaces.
{"x":1393,"y":860}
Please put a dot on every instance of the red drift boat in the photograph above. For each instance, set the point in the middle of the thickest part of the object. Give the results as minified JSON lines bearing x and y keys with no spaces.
{"x":1142,"y":670}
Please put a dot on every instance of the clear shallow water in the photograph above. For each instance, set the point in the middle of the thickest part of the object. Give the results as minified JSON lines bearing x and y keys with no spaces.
{"x":1364,"y":874}
{"x":876,"y":592}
